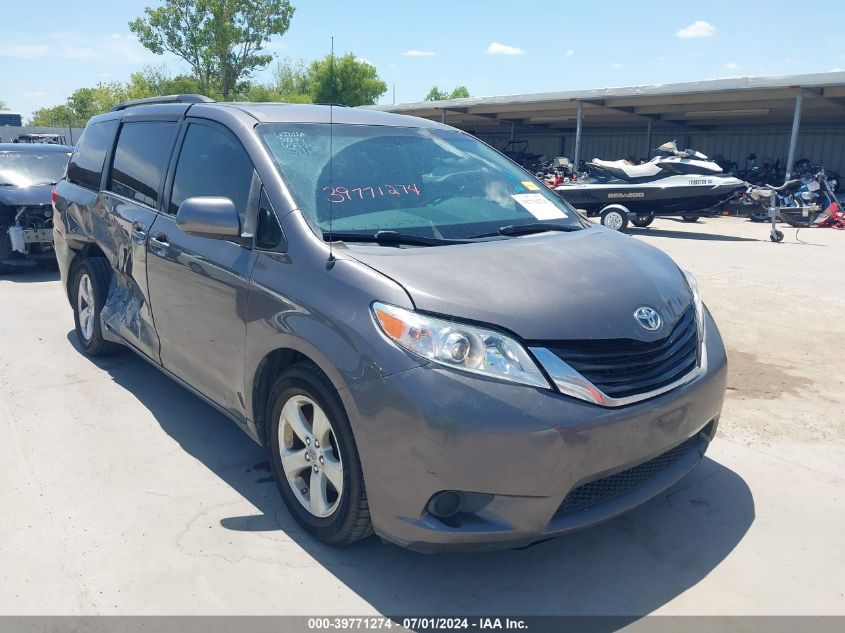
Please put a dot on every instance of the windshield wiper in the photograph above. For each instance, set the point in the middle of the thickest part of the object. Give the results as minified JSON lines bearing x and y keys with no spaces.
{"x":390,"y":237}
{"x":534,"y":227}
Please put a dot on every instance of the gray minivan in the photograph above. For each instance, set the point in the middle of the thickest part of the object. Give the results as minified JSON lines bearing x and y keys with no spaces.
{"x":429,"y":343}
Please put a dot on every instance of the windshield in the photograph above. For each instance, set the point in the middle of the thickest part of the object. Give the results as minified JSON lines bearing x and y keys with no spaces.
{"x":25,"y":169}
{"x":415,"y":181}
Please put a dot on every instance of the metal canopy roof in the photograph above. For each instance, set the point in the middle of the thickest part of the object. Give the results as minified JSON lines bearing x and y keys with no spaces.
{"x":700,"y":104}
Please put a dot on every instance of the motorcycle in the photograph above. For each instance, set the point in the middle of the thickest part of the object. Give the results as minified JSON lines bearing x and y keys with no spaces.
{"x":801,"y":206}
{"x":802,"y":202}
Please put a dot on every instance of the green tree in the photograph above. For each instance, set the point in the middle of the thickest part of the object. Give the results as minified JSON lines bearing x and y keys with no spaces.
{"x":345,"y":80}
{"x":293,"y":81}
{"x":80,"y":106}
{"x":435,"y":94}
{"x":56,"y":116}
{"x":221,"y":40}
{"x":154,"y":81}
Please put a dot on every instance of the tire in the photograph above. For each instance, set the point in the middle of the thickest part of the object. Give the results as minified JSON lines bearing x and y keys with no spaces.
{"x":643,"y":221}
{"x":89,"y":332}
{"x":690,"y":218}
{"x":340,"y":516}
{"x":776,"y":236}
{"x":759,"y":216}
{"x":614,"y":218}
{"x":798,"y":220}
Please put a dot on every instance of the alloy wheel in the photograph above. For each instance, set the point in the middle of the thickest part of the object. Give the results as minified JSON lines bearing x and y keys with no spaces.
{"x":310,"y":457}
{"x":613,"y":220}
{"x":85,"y":306}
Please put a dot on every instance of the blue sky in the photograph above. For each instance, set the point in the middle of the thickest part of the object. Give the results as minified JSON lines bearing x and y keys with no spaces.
{"x":48,"y":48}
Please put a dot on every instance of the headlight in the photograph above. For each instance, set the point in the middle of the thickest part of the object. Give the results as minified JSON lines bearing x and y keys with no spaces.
{"x":696,"y":299}
{"x":465,"y":347}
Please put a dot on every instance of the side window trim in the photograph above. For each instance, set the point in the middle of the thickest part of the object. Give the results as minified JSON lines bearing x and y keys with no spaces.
{"x":281,"y":245}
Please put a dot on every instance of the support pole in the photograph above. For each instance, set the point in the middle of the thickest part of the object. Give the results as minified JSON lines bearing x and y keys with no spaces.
{"x":579,"y":119}
{"x":648,"y":138}
{"x":443,"y":115}
{"x":793,"y":139}
{"x":513,"y":125}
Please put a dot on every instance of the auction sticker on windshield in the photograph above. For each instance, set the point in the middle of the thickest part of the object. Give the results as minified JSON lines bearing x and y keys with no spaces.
{"x":539,"y":206}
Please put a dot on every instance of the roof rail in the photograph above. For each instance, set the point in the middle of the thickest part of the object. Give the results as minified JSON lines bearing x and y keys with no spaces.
{"x":162,"y":99}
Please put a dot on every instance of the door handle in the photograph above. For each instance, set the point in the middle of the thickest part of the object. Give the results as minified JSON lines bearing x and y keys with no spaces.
{"x":159,"y":244}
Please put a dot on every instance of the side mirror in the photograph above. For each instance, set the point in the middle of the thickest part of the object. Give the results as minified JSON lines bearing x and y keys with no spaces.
{"x":209,"y":216}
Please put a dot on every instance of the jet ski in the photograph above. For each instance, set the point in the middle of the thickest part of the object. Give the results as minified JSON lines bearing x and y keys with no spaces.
{"x":675,"y":182}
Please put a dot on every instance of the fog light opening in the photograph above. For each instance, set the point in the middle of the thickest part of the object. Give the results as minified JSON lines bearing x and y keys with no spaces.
{"x":446,"y":504}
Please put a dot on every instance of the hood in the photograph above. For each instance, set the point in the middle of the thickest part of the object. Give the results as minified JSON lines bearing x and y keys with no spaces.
{"x":550,"y":286}
{"x":25,"y":196}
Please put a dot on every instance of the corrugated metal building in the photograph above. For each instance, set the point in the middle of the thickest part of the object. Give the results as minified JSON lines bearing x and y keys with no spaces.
{"x":728,"y":117}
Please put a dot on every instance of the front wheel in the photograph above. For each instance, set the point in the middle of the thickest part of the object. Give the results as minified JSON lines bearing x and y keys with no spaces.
{"x":314,"y":457}
{"x":614,"y":218}
{"x":90,"y":289}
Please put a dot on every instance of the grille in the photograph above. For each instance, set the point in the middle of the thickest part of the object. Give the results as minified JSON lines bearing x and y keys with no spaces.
{"x":626,"y":367}
{"x":606,"y":488}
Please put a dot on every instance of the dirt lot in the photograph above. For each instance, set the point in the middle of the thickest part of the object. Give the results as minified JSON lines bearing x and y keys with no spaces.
{"x":124,"y":494}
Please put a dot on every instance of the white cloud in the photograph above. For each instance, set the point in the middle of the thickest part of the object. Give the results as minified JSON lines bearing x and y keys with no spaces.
{"x":662,"y":58}
{"x":732,"y":66}
{"x":616,"y":65}
{"x":364,"y":60}
{"x":34,"y":94}
{"x":63,"y":45}
{"x":24,"y":51}
{"x":699,"y":28}
{"x":835,"y":70}
{"x":415,"y":53}
{"x":503,"y":49}
{"x":570,"y":52}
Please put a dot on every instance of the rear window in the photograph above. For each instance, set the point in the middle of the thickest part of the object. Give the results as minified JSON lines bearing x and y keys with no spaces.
{"x":140,"y":159}
{"x":86,"y":164}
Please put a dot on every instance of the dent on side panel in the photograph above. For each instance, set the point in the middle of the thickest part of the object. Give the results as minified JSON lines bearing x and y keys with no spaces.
{"x":119,"y":228}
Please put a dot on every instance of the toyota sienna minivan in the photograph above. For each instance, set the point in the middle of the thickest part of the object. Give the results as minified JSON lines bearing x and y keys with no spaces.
{"x":429,"y":343}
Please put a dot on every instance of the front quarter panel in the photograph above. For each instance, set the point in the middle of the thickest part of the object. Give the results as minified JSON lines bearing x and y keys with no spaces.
{"x":302,"y":303}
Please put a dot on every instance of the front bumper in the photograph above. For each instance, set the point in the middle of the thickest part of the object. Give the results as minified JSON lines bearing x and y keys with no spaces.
{"x":429,"y":429}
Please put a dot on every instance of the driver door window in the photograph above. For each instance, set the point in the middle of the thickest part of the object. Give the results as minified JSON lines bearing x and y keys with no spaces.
{"x":212,"y":163}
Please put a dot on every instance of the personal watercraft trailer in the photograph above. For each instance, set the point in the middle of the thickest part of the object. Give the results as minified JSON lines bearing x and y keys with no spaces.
{"x":674,"y":183}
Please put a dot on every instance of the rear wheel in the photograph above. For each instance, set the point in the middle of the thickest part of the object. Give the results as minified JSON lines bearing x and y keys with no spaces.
{"x":90,"y":289}
{"x":614,"y":218}
{"x":690,"y":218}
{"x":314,"y":457}
{"x":643,"y":220}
